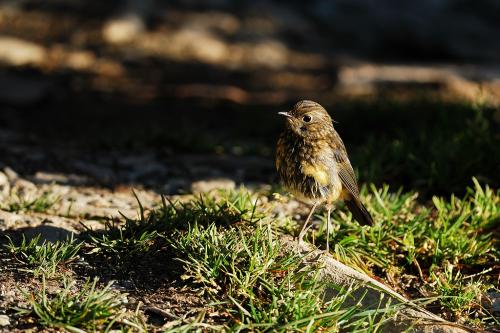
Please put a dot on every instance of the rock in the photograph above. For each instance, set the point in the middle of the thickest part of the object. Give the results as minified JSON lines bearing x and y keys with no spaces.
{"x":10,"y":220}
{"x":11,"y":174}
{"x":4,"y":184}
{"x":80,"y":60}
{"x":468,"y":82}
{"x":4,"y":320}
{"x":212,"y":184}
{"x":492,"y":302}
{"x":371,"y":293}
{"x":59,"y":178}
{"x":272,"y":54}
{"x":25,"y":188}
{"x":123,"y":29}
{"x":200,"y":45}
{"x":19,"y":52}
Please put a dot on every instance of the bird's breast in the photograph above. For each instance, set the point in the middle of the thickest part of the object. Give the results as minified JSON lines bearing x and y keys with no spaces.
{"x":308,"y":170}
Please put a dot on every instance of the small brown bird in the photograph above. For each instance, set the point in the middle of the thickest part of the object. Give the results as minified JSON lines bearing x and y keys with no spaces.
{"x":312,"y":162}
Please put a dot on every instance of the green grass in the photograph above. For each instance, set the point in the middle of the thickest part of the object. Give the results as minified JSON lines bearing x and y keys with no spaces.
{"x":231,"y":253}
{"x":261,"y":289}
{"x":126,"y":240}
{"x":88,"y":308}
{"x":418,"y":246}
{"x":21,"y":203}
{"x":456,"y":293}
{"x":227,"y":245}
{"x":43,"y":258}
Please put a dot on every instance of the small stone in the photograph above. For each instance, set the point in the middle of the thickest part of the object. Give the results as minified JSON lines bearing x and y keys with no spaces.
{"x":59,"y":178}
{"x":19,"y":52}
{"x":212,"y":184}
{"x":4,"y":320}
{"x":4,"y":184}
{"x":11,"y":174}
{"x":492,"y":302}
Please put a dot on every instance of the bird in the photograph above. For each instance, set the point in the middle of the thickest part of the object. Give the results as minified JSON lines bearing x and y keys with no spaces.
{"x":313,"y":164}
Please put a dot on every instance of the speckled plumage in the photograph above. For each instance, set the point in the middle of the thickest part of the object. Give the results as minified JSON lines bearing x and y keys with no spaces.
{"x":312,"y":161}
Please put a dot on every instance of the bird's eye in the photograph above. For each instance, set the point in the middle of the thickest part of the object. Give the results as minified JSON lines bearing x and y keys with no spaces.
{"x":306,"y":118}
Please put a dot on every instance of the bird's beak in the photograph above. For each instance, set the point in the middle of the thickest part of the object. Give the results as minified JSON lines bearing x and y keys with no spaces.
{"x":286,"y":114}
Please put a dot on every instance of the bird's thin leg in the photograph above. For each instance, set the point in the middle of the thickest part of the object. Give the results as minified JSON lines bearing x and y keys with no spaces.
{"x":304,"y":230}
{"x":329,"y":210}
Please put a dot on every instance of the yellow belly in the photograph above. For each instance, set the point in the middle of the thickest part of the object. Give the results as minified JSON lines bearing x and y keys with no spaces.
{"x":323,"y":177}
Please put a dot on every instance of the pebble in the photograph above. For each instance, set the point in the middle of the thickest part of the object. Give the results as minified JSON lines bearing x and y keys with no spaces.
{"x":4,"y":320}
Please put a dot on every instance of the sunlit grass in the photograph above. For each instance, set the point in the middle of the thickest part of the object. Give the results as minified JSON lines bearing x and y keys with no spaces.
{"x":415,"y":246}
{"x":18,"y":202}
{"x":232,"y":253}
{"x":88,"y":307}
{"x":43,"y":257}
{"x":228,"y":246}
{"x":261,"y":288}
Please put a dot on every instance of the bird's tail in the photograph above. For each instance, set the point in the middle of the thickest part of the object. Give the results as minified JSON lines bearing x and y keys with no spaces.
{"x":359,"y":211}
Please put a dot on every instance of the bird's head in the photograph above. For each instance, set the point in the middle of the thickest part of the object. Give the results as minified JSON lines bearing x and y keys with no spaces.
{"x":308,"y":119}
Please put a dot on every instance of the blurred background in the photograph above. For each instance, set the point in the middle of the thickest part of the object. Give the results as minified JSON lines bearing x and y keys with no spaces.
{"x":181,"y":96}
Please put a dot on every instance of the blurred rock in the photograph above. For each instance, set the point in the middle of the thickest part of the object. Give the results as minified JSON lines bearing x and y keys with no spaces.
{"x":466,"y":82}
{"x":123,"y":29}
{"x":80,"y":60}
{"x":20,"y":52}
{"x":199,"y":45}
{"x":271,"y":54}
{"x":212,"y":184}
{"x":11,"y":220}
{"x":11,"y":174}
{"x":58,"y":178}
{"x":24,"y":187}
{"x":4,"y":184}
{"x":4,"y":320}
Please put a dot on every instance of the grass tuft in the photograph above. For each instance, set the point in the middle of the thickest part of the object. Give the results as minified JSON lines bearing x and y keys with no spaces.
{"x":88,"y":308}
{"x":260,"y":288}
{"x":415,"y":247}
{"x":135,"y":237}
{"x":43,"y":258}
{"x":40,"y":204}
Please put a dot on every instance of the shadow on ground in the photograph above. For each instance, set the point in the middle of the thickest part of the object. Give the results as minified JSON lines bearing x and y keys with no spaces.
{"x":192,"y":94}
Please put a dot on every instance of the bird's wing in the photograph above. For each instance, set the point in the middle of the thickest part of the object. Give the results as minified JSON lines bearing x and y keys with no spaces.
{"x":344,"y":168}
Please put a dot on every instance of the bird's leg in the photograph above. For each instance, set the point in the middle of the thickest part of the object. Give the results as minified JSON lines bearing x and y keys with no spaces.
{"x":329,"y":210}
{"x":304,"y":230}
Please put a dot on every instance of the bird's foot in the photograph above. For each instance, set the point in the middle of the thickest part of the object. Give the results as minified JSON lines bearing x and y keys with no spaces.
{"x":302,"y":234}
{"x":300,"y":240}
